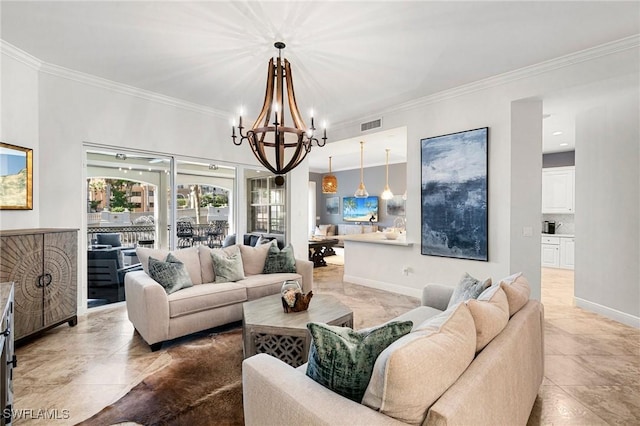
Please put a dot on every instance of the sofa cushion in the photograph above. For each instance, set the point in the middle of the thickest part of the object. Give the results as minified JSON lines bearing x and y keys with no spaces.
{"x":342,"y":359}
{"x":188,"y":256}
{"x":279,"y":261}
{"x":171,"y":273}
{"x":412,"y":373}
{"x":204,"y":297}
{"x":111,"y":239}
{"x":490,"y":313}
{"x":253,"y":258}
{"x":266,"y":284}
{"x":468,"y":288}
{"x":206,"y":262}
{"x":227,"y":264}
{"x":518,"y":292}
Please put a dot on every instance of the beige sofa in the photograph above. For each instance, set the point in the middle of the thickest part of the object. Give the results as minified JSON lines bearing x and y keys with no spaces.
{"x":497,"y":387}
{"x":341,"y":230}
{"x":159,"y":317}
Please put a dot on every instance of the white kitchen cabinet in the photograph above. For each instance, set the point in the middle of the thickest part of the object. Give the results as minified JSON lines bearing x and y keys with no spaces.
{"x":558,"y":186}
{"x":550,"y":252}
{"x":567,"y":252}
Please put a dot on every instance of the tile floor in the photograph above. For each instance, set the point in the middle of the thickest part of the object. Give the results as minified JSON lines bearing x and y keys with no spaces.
{"x":592,"y":364}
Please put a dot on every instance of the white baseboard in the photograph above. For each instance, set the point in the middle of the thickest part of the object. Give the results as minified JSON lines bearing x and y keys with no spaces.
{"x":380,"y":285}
{"x":613,"y":314}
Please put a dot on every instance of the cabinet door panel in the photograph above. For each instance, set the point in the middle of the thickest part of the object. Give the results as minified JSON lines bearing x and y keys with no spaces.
{"x":557,"y":191}
{"x":60,"y":301}
{"x":550,"y":255}
{"x":21,"y":262}
{"x":567,"y":253}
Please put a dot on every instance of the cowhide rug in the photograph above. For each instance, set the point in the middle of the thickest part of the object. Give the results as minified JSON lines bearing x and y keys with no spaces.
{"x":202,"y":385}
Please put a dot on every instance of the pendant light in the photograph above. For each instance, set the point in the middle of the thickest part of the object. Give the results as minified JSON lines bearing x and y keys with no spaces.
{"x":387,"y":194}
{"x":329,"y":182}
{"x":362,"y":191}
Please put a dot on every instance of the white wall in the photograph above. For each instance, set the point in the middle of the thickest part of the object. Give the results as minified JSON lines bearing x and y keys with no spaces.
{"x":483,"y":104}
{"x":607,"y":275}
{"x":19,"y":126}
{"x":526,"y":196}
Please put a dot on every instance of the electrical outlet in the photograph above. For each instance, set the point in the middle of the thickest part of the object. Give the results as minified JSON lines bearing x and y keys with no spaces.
{"x":406,"y":270}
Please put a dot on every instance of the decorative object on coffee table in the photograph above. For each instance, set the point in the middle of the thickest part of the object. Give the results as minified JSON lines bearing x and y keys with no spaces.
{"x":293,"y":300}
{"x":266,"y":329}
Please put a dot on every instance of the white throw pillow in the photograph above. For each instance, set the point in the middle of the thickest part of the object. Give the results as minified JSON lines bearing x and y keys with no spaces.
{"x":414,"y":371}
{"x":518,"y":292}
{"x":253,"y":258}
{"x":490,"y":314}
{"x":321,"y":230}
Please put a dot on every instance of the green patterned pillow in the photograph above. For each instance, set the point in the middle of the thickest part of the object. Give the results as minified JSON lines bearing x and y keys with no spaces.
{"x":342,"y":359}
{"x":171,"y":274}
{"x":468,"y":288}
{"x":279,"y":260}
{"x":227,"y":264}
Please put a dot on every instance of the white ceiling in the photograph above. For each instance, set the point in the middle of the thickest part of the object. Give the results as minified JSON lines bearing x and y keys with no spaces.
{"x":349,"y":58}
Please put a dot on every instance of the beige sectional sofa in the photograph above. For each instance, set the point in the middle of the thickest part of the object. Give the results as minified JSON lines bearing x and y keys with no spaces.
{"x":432,"y":376}
{"x":159,"y":316}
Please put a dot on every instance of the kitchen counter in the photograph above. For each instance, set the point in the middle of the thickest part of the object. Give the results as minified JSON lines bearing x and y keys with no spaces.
{"x":377,"y":238}
{"x":558,"y":235}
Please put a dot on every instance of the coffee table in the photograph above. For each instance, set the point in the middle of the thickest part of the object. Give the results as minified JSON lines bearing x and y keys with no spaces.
{"x":267,"y":329}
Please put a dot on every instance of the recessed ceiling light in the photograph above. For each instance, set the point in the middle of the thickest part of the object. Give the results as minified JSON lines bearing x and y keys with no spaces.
{"x":556,"y":133}
{"x":564,"y":144}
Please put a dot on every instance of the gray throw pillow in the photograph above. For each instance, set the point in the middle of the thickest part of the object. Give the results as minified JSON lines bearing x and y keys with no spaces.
{"x":171,"y":274}
{"x":227,"y":264}
{"x":468,"y":288}
{"x":280,"y":260}
{"x":342,"y":359}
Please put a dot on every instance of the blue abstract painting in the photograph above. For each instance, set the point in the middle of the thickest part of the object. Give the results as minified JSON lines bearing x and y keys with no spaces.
{"x":454,"y":195}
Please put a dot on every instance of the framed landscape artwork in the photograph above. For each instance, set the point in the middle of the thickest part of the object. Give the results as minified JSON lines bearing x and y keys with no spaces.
{"x":395,"y":206}
{"x":333,"y":205}
{"x":454,"y":195}
{"x":16,"y":177}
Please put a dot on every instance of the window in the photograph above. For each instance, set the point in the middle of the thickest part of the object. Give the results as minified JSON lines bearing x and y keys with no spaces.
{"x":267,"y":206}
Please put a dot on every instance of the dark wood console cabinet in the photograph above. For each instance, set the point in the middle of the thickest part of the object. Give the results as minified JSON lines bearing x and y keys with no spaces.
{"x":43,"y":264}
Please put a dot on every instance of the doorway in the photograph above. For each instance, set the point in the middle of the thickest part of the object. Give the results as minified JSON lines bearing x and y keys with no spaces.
{"x":140,"y":199}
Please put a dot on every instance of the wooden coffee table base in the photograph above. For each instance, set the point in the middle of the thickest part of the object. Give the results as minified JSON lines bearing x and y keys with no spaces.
{"x":267,"y":329}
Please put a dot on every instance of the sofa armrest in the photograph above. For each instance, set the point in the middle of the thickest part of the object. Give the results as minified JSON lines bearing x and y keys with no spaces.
{"x":305,"y":268}
{"x":295,"y":399}
{"x":436,"y":296}
{"x":147,"y":306}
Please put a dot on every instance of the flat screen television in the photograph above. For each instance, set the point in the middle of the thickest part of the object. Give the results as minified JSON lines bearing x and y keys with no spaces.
{"x":360,"y":209}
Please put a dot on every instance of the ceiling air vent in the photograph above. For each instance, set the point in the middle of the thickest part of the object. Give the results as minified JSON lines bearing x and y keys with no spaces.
{"x":369,"y":125}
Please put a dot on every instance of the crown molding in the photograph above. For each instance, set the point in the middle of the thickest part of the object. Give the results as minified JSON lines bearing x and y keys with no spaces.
{"x":20,"y":55}
{"x":632,"y":42}
{"x":92,"y":80}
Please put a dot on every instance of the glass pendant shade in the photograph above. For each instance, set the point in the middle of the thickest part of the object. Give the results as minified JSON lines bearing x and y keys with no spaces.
{"x":329,"y":182}
{"x":387,"y":194}
{"x":361,"y":192}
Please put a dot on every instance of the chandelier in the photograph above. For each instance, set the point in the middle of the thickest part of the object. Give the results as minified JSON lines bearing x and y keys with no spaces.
{"x":329,"y":182}
{"x":279,"y":147}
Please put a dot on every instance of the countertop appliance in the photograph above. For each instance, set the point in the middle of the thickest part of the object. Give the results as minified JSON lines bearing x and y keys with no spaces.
{"x":549,"y":227}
